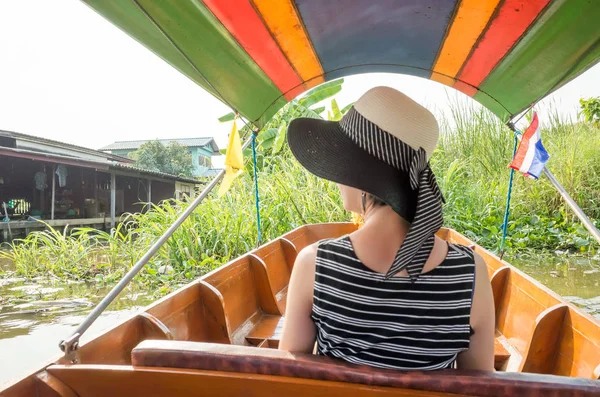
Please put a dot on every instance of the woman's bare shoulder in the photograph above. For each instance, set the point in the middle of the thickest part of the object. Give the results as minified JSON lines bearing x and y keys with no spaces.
{"x":307,"y":255}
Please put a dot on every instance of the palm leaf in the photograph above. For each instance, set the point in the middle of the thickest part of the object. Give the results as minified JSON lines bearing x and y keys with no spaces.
{"x":335,"y":110}
{"x":280,"y":138}
{"x":319,"y":110}
{"x":320,"y":95}
{"x":228,"y":117}
{"x":325,"y":86}
{"x":346,"y":108}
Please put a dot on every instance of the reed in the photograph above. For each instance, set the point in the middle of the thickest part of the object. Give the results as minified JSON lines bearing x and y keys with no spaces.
{"x":470,"y":164}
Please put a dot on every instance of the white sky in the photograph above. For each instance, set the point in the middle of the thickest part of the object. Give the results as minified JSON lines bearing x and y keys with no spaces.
{"x":69,"y":75}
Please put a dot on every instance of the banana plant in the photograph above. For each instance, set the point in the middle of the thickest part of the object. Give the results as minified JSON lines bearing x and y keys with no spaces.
{"x":273,"y":135}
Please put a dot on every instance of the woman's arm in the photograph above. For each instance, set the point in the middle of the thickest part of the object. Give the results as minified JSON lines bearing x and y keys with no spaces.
{"x":298,"y":329}
{"x":481,"y":349}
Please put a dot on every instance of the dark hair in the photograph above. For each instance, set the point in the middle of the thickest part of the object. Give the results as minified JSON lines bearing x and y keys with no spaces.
{"x":377,"y":202}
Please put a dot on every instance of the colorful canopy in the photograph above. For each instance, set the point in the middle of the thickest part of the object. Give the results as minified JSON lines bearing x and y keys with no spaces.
{"x":255,"y":55}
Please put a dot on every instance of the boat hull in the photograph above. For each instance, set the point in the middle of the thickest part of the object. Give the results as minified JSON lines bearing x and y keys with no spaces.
{"x":243,"y":303}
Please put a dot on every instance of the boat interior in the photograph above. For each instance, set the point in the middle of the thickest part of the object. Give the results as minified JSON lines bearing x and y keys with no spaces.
{"x":220,"y":334}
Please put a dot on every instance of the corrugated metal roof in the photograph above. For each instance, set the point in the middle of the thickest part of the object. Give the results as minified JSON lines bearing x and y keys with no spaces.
{"x":104,"y":165}
{"x":77,"y":151}
{"x":155,"y":173}
{"x":188,"y":142}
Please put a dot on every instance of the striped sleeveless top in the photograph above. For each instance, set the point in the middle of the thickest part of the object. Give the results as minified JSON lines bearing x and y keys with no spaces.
{"x":364,"y":318}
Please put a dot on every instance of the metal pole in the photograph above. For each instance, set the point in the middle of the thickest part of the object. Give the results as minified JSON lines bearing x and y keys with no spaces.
{"x":149,"y":191}
{"x":70,"y":345}
{"x":589,"y":225}
{"x":53,"y":192}
{"x":113,"y":199}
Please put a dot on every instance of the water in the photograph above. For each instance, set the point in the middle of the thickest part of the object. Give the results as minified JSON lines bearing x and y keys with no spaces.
{"x":577,"y":279}
{"x":41,"y":312}
{"x":35,"y":315}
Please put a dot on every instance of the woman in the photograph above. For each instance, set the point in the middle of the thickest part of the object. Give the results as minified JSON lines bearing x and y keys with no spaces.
{"x":391,"y":294}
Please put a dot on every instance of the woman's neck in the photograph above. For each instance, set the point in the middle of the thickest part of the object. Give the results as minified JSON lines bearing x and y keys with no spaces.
{"x":384,"y":220}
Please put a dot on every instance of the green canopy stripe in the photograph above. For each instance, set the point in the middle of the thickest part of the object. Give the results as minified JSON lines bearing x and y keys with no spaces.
{"x":558,"y":45}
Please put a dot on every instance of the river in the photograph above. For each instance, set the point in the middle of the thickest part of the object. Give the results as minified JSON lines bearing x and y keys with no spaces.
{"x":35,"y":315}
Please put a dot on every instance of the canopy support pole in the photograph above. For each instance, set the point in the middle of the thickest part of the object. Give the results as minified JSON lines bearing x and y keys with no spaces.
{"x":587,"y":222}
{"x":256,"y":199}
{"x":70,"y":345}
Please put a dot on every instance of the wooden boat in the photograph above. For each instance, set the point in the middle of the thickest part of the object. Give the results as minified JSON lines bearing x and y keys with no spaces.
{"x":219,"y":334}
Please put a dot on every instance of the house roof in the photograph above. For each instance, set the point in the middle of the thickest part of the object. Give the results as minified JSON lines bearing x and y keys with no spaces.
{"x":154,"y":173}
{"x":49,"y":144}
{"x":188,"y":142}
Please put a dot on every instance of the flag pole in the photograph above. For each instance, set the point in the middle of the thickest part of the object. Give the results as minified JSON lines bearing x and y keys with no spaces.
{"x":587,"y":222}
{"x":508,"y":197}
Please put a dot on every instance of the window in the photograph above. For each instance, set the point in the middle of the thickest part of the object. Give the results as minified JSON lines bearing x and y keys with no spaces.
{"x":204,"y":161}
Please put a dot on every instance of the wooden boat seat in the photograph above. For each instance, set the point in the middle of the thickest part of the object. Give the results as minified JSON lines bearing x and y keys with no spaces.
{"x":278,"y":258}
{"x":251,"y":360}
{"x":244,"y":304}
{"x":501,"y":355}
{"x":309,"y":234}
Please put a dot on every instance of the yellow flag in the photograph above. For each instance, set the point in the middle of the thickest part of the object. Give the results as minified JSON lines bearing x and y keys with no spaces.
{"x":234,"y":160}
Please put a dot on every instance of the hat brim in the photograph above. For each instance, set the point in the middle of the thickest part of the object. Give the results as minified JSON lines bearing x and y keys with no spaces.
{"x":324,"y":149}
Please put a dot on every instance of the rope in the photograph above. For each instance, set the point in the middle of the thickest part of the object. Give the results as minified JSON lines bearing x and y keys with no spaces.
{"x":256,"y":199}
{"x":508,"y":196}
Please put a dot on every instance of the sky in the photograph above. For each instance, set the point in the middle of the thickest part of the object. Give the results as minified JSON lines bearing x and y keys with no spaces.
{"x":68,"y":74}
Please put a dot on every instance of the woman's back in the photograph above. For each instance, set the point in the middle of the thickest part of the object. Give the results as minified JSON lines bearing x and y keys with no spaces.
{"x":364,"y":317}
{"x":391,"y":294}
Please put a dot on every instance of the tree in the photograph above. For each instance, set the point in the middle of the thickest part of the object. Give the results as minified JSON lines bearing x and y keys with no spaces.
{"x":174,"y":159}
{"x":590,"y":109}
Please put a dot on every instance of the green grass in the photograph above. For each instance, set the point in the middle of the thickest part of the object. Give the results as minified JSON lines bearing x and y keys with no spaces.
{"x":471,"y":166}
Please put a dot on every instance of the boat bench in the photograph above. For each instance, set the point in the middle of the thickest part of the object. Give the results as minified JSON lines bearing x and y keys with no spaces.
{"x":246,"y":300}
{"x":252,"y":360}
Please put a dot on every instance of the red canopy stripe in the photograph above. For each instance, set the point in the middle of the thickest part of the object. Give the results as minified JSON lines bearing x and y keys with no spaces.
{"x":512,"y":20}
{"x":244,"y":24}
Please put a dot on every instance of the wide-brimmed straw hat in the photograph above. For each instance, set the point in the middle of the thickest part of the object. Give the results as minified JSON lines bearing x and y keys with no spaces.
{"x":381,"y":146}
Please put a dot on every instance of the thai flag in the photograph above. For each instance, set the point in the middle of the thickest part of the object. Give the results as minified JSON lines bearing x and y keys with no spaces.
{"x":531,"y":156}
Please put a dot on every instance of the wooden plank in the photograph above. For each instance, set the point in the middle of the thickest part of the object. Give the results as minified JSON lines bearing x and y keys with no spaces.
{"x":156,"y":325}
{"x":115,"y":345}
{"x":578,"y":348}
{"x":269,"y":328}
{"x":266,"y":296}
{"x":498,"y":282}
{"x":53,"y":223}
{"x":25,"y":387}
{"x":276,"y":262}
{"x":235,"y":283}
{"x":217,"y":323}
{"x":121,"y":381}
{"x":183,"y":313}
{"x":540,"y":355}
{"x":289,"y":251}
{"x":52,"y":386}
{"x":501,"y":355}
